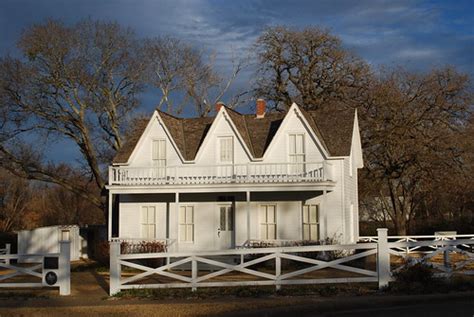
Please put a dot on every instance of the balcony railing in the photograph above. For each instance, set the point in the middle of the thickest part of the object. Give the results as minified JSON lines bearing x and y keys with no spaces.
{"x":221,"y":174}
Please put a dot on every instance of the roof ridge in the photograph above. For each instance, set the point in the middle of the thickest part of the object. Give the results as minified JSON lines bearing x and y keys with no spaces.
{"x":228,"y":108}
{"x":168,"y":114}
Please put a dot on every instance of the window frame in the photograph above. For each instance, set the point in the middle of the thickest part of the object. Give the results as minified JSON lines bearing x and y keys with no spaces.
{"x":186,"y":224}
{"x":309,"y":223}
{"x":220,"y":148}
{"x":296,"y":157}
{"x":147,"y":223}
{"x":267,"y":224}
{"x":165,"y":147}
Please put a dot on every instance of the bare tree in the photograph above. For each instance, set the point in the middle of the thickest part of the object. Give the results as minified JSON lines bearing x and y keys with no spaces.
{"x":413,"y":125}
{"x":308,"y":66}
{"x":185,"y":75}
{"x":77,"y":83}
{"x":15,"y":195}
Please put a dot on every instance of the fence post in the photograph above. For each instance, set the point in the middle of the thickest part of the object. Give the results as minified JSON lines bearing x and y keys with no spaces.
{"x":194,"y":273}
{"x":115,"y":268}
{"x":8,"y":249}
{"x":446,"y":259}
{"x":64,"y":268}
{"x":383,"y":258}
{"x":277,"y":271}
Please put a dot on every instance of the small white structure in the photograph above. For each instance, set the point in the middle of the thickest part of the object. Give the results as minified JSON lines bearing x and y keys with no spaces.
{"x":45,"y":240}
{"x":221,"y":182}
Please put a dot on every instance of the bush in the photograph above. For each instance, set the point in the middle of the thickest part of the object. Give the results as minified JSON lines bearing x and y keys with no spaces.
{"x":418,"y":278}
{"x":102,"y":253}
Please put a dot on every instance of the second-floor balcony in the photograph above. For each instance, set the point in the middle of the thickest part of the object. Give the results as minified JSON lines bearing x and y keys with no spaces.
{"x":221,"y":174}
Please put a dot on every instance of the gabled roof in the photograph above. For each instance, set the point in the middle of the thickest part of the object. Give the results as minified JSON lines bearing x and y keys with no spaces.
{"x":333,"y":128}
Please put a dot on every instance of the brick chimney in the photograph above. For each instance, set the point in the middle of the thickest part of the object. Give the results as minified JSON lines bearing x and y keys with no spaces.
{"x":261,"y":107}
{"x":219,"y":106}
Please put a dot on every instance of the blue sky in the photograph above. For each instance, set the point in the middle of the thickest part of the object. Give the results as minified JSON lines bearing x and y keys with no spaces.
{"x":419,"y":35}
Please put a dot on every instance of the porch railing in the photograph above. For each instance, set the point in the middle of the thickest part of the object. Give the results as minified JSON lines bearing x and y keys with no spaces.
{"x":216,"y":174}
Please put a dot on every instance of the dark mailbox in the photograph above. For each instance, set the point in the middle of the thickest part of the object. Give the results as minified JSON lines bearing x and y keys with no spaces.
{"x":51,"y":263}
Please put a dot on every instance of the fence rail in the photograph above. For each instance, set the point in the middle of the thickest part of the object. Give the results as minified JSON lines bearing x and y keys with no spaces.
{"x":217,"y":174}
{"x":317,"y":264}
{"x":11,"y":269}
{"x":5,"y":251}
{"x":415,"y":248}
{"x":313,"y":259}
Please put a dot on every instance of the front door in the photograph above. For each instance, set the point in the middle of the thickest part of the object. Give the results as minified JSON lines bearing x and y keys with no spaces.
{"x":225,"y":226}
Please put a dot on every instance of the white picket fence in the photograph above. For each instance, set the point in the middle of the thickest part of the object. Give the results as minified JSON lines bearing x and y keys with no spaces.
{"x":184,"y":268}
{"x":32,"y":274}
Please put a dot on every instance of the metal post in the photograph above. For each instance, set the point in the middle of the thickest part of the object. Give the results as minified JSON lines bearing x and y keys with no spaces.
{"x":115,"y":268}
{"x":64,"y":268}
{"x":383,"y":258}
{"x":8,"y":249}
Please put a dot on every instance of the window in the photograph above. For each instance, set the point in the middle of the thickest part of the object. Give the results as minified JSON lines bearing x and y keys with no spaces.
{"x":186,"y":223}
{"x":296,"y":153}
{"x":226,"y":150}
{"x":159,"y":152}
{"x":310,"y":222}
{"x":148,"y":222}
{"x":268,"y":222}
{"x":226,"y":218}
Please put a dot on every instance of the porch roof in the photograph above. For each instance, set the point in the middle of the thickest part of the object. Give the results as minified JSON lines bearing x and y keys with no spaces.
{"x":222,"y":188}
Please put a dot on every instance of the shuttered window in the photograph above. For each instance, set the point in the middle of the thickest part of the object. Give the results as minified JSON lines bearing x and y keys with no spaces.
{"x":226,"y":150}
{"x":268,"y":224}
{"x":296,"y":153}
{"x":159,"y":153}
{"x":148,"y":222}
{"x":310,"y":222}
{"x":186,"y":223}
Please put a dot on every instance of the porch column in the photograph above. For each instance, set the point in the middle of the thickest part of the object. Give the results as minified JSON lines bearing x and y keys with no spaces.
{"x":248,"y":215}
{"x":109,"y":224}
{"x":176,"y":199}
{"x":325,"y":214}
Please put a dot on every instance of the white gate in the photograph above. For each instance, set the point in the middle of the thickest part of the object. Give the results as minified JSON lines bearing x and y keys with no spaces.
{"x":48,"y":270}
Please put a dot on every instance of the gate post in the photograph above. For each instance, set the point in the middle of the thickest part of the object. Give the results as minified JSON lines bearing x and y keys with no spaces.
{"x":383,"y":258}
{"x":64,"y":267}
{"x":8,"y":251}
{"x":115,"y":268}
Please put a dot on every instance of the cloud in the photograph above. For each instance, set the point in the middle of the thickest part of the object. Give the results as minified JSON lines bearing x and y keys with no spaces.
{"x":417,"y":53}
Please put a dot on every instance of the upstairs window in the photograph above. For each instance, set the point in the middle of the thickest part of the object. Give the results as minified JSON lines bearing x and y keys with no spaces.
{"x":226,"y":150}
{"x":159,"y":152}
{"x":296,"y":153}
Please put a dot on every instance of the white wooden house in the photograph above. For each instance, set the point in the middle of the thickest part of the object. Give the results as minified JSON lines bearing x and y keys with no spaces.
{"x":221,"y":182}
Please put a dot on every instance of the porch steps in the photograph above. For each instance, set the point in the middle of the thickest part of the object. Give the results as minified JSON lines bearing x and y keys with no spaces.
{"x":229,"y":259}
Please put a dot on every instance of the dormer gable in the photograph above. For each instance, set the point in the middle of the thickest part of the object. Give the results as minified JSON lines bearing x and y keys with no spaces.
{"x":335,"y":132}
